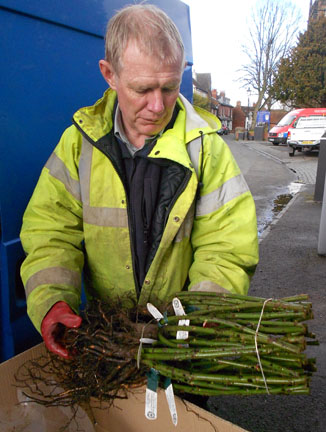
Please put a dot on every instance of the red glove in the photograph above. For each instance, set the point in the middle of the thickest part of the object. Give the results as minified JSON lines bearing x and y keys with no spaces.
{"x":60,"y":313}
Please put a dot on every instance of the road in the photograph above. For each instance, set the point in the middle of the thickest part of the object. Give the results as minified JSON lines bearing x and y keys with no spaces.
{"x":272,"y":175}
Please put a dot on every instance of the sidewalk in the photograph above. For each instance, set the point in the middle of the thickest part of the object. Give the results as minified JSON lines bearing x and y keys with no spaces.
{"x":289,"y":264}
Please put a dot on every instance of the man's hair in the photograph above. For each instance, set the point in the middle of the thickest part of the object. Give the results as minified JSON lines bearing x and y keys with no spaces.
{"x":150,"y":28}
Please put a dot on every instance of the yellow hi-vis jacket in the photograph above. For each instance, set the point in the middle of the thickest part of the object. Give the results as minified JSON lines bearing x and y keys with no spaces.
{"x":77,"y":218}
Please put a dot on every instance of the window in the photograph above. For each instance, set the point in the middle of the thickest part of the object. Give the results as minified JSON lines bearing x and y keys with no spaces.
{"x":287,"y":120}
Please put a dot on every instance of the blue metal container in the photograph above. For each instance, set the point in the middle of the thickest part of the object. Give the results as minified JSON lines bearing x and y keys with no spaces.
{"x":49,"y":55}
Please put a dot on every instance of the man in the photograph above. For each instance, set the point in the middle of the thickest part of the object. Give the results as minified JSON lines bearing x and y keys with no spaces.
{"x":140,"y":194}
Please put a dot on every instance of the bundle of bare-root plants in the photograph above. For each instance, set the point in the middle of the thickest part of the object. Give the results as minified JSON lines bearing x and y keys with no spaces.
{"x":236,"y":345}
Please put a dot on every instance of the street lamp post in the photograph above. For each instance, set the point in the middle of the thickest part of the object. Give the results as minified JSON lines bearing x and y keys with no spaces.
{"x":248,"y":92}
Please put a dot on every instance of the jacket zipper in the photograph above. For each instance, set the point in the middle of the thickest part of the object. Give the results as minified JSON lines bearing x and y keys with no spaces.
{"x":131,"y":236}
{"x":182,"y":187}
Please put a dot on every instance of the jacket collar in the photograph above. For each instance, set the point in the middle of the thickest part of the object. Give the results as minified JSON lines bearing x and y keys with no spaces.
{"x":97,"y":120}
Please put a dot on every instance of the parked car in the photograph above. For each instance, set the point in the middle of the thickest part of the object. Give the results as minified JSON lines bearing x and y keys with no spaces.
{"x":307,"y":133}
{"x":279,"y":133}
{"x":223,"y":131}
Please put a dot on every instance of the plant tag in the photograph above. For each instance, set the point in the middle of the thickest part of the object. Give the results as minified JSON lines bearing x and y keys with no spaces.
{"x":177,"y":307}
{"x":170,"y":400}
{"x":154,"y":312}
{"x":151,"y":404}
{"x":147,"y":340}
{"x":179,"y":311}
{"x":151,"y":395}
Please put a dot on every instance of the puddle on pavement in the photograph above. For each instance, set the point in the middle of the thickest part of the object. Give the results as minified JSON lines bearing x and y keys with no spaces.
{"x":279,"y":203}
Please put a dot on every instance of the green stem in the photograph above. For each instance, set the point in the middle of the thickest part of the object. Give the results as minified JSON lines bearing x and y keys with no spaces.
{"x":253,"y":366}
{"x":212,"y":295}
{"x":290,"y":361}
{"x":254,"y":316}
{"x":296,"y":298}
{"x":216,"y":392}
{"x":203,"y":294}
{"x":190,"y":354}
{"x":260,"y":336}
{"x":175,"y":373}
{"x":269,"y":366}
{"x":295,"y":329}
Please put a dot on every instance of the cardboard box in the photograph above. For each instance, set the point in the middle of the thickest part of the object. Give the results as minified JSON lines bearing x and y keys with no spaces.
{"x":127,"y":415}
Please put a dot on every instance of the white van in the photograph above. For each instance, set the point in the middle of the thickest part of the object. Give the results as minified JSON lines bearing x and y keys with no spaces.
{"x":307,"y":133}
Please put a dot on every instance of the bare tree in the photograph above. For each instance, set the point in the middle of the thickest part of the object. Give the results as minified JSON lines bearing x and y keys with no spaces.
{"x":272,"y":32}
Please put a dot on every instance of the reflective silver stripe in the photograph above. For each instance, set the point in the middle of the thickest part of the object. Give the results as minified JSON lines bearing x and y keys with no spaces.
{"x":100,"y":216}
{"x":53,"y":276}
{"x":208,"y":286}
{"x":231,"y":189}
{"x":105,"y":216}
{"x":186,"y":226}
{"x":59,"y":171}
{"x":85,"y":166}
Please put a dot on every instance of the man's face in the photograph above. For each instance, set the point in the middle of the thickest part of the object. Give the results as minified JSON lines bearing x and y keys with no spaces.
{"x":147,"y":91}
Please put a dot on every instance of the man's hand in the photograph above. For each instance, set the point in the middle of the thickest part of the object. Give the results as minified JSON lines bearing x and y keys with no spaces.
{"x":62,"y":314}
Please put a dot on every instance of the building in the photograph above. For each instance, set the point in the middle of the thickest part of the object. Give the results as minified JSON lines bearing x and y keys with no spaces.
{"x":242,"y":116}
{"x":225,"y":109}
{"x":202,"y":84}
{"x":218,"y":104}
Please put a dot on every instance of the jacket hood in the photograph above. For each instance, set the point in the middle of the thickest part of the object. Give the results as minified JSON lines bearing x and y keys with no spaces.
{"x":198,"y":119}
{"x":96,"y":120}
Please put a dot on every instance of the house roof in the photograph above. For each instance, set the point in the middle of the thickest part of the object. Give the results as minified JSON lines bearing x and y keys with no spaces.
{"x":204,"y":81}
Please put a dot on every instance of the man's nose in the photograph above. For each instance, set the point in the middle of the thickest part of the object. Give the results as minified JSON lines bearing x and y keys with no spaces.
{"x":156,"y":103}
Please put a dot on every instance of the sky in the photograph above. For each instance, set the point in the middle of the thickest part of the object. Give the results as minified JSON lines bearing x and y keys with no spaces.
{"x":219,"y":28}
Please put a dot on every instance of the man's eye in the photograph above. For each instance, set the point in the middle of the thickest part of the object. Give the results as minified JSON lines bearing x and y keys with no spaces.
{"x":169,"y":89}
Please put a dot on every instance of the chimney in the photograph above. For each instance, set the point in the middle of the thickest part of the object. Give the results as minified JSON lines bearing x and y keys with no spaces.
{"x":214,"y":93}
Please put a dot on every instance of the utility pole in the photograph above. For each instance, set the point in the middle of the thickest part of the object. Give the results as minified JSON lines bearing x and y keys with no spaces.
{"x":248,"y":112}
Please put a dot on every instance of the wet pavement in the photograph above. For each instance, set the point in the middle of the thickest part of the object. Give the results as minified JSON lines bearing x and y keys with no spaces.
{"x":274,"y":177}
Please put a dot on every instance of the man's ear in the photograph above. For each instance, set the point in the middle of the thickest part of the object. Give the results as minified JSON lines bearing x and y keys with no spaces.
{"x":108,"y":73}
